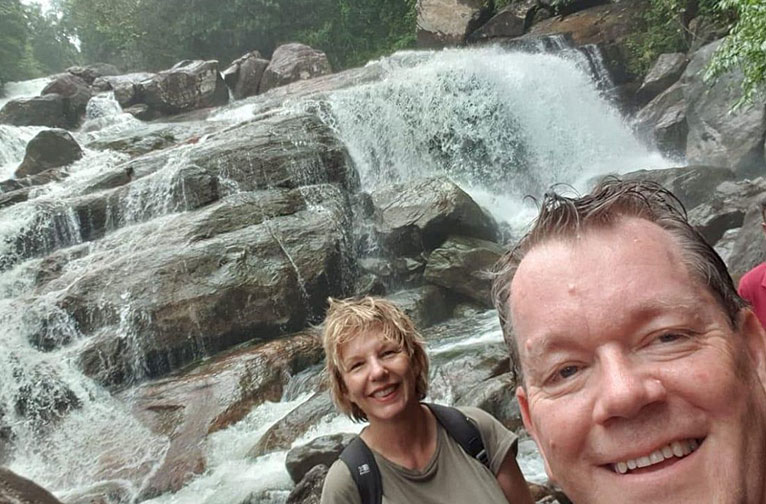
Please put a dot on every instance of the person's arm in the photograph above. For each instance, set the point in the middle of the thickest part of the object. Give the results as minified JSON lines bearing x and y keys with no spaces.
{"x":512,"y":482}
{"x":339,"y":487}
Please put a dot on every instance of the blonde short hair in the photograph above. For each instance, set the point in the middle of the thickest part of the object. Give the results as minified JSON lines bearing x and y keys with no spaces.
{"x":346,"y":319}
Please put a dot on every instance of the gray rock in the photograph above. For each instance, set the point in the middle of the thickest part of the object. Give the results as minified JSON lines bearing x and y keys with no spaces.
{"x":693,"y":185}
{"x":505,"y":24}
{"x":90,"y":73}
{"x":283,"y":433}
{"x":244,"y":75}
{"x":496,"y":396}
{"x":125,"y":86}
{"x":418,"y":215}
{"x":323,"y":450}
{"x":309,"y":489}
{"x":749,"y":248}
{"x":461,"y":264}
{"x":141,"y":111}
{"x":49,"y":149}
{"x":443,"y":23}
{"x":426,"y":305}
{"x":293,"y":62}
{"x":49,"y":110}
{"x":456,"y":374}
{"x":666,"y":71}
{"x":716,"y":136}
{"x":187,"y":86}
{"x":75,"y":91}
{"x":662,"y":123}
{"x":17,"y":490}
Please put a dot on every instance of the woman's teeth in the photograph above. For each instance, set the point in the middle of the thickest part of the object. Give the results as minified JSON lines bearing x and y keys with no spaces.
{"x":677,"y":449}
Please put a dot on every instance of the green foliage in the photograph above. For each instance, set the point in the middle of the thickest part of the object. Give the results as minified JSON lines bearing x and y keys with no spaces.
{"x":13,"y":41}
{"x":744,"y":48}
{"x":665,"y":28}
{"x":50,"y":43}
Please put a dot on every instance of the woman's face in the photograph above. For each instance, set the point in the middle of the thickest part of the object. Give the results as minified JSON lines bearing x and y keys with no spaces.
{"x":378,"y":375}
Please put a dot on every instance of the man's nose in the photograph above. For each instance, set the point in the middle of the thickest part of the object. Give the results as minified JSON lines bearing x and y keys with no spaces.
{"x":624,"y":387}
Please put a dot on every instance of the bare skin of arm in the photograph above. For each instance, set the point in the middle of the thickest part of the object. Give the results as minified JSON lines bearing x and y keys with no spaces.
{"x":512,"y":482}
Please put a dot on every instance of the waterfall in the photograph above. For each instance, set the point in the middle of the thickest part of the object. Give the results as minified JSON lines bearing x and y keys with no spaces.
{"x":501,"y":124}
{"x":22,"y":89}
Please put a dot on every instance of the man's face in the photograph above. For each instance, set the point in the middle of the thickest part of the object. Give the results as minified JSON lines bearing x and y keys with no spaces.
{"x":637,"y":389}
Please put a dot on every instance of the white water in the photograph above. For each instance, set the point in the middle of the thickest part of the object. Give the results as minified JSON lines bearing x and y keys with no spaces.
{"x":500,"y":124}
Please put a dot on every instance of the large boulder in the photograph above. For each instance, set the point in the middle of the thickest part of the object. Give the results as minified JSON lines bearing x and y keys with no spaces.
{"x":293,"y":62}
{"x":662,"y":123}
{"x":505,"y":24}
{"x":692,"y":185}
{"x":210,"y":397}
{"x":125,"y":86}
{"x":74,"y":89}
{"x":461,"y":265}
{"x":496,"y":396}
{"x":322,"y":450}
{"x":717,"y":135}
{"x":244,"y":75}
{"x":49,"y":149}
{"x":90,"y":73}
{"x":749,"y":247}
{"x":418,"y":215}
{"x":186,"y":86}
{"x":15,"y":489}
{"x":49,"y":110}
{"x":443,"y":23}
{"x":666,"y":71}
{"x":309,"y":489}
{"x":426,"y":305}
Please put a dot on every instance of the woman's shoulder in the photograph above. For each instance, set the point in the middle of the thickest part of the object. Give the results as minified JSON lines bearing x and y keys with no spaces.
{"x":339,"y":486}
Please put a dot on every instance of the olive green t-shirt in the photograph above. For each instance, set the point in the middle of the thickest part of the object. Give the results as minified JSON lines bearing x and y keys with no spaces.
{"x":451,"y":476}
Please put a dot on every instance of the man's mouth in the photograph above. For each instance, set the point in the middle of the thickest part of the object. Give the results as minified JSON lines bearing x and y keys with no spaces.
{"x":384,"y":392}
{"x":671,"y":451}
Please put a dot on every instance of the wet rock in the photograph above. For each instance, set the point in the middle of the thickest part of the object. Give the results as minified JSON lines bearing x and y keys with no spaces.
{"x":136,"y":145}
{"x":15,"y":489}
{"x":323,"y":450}
{"x":90,"y":73}
{"x":662,"y":123}
{"x":496,"y":396}
{"x":283,"y":433}
{"x":717,"y":136}
{"x":309,"y":489}
{"x":141,"y":111}
{"x":293,"y":62}
{"x":125,"y":86}
{"x":506,"y":24}
{"x":704,"y":30}
{"x":105,"y":493}
{"x":443,"y":23}
{"x":212,"y":396}
{"x":455,"y":374}
{"x":75,"y":91}
{"x":49,"y":149}
{"x":49,"y":110}
{"x":41,"y":396}
{"x":395,"y":273}
{"x":693,"y":185}
{"x":666,"y":71}
{"x":426,"y":305}
{"x":187,"y":86}
{"x":244,"y":75}
{"x":461,"y":263}
{"x":418,"y":215}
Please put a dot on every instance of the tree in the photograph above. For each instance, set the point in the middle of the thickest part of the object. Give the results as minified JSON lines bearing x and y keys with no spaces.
{"x":744,"y":48}
{"x":13,"y":40}
{"x":50,"y":42}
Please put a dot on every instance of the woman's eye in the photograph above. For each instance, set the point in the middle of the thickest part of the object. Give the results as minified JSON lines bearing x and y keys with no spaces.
{"x":355,"y":365}
{"x":389,"y":352}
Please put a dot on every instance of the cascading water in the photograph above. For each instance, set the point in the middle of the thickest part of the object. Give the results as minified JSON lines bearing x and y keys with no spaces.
{"x":501,"y":124}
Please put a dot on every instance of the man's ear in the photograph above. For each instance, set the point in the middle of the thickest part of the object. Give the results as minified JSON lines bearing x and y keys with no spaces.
{"x":521,"y":397}
{"x":755,"y":338}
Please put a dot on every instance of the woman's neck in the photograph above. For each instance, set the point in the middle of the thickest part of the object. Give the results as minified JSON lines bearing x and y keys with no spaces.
{"x":409,"y":440}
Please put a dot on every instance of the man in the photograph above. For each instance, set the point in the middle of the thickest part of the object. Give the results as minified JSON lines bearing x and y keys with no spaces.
{"x":641,"y":370}
{"x":752,"y":285}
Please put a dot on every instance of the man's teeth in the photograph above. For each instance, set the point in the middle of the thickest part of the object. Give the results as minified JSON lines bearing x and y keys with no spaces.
{"x":384,"y":392}
{"x":678,"y":449}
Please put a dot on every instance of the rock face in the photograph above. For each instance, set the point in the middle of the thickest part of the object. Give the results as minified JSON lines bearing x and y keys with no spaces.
{"x":293,"y":62}
{"x":49,"y":110}
{"x":49,"y":149}
{"x":505,"y":24}
{"x":74,"y":89}
{"x":93,"y":71}
{"x":125,"y":87}
{"x":461,"y":264}
{"x":717,"y":137}
{"x":17,"y":490}
{"x":309,"y":489}
{"x":443,"y":23}
{"x":322,"y":450}
{"x":419,"y":215}
{"x":665,"y":72}
{"x":244,"y":75}
{"x":188,"y":85}
{"x":662,"y":123}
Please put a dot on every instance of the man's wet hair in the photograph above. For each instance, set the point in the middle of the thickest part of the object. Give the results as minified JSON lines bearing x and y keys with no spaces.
{"x":562,"y":217}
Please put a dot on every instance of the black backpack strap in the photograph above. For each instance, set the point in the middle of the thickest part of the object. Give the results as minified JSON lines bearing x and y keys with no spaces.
{"x":364,"y":470}
{"x":462,"y":430}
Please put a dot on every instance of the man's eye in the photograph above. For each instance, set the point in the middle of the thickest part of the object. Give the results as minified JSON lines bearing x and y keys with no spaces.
{"x":669,"y":337}
{"x":567,"y":371}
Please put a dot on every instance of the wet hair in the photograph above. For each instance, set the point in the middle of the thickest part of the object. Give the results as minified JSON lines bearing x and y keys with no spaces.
{"x":347,"y":319}
{"x":611,"y":201}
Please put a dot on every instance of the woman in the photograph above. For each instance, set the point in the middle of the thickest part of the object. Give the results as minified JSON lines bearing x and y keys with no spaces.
{"x":378,"y":371}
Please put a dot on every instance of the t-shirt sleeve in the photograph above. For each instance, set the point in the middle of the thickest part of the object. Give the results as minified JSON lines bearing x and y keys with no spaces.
{"x":339,"y":487}
{"x":497,"y":439}
{"x":745,"y":289}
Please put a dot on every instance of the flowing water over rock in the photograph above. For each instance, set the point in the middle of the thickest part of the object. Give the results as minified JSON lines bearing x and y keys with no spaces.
{"x":168,"y":243}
